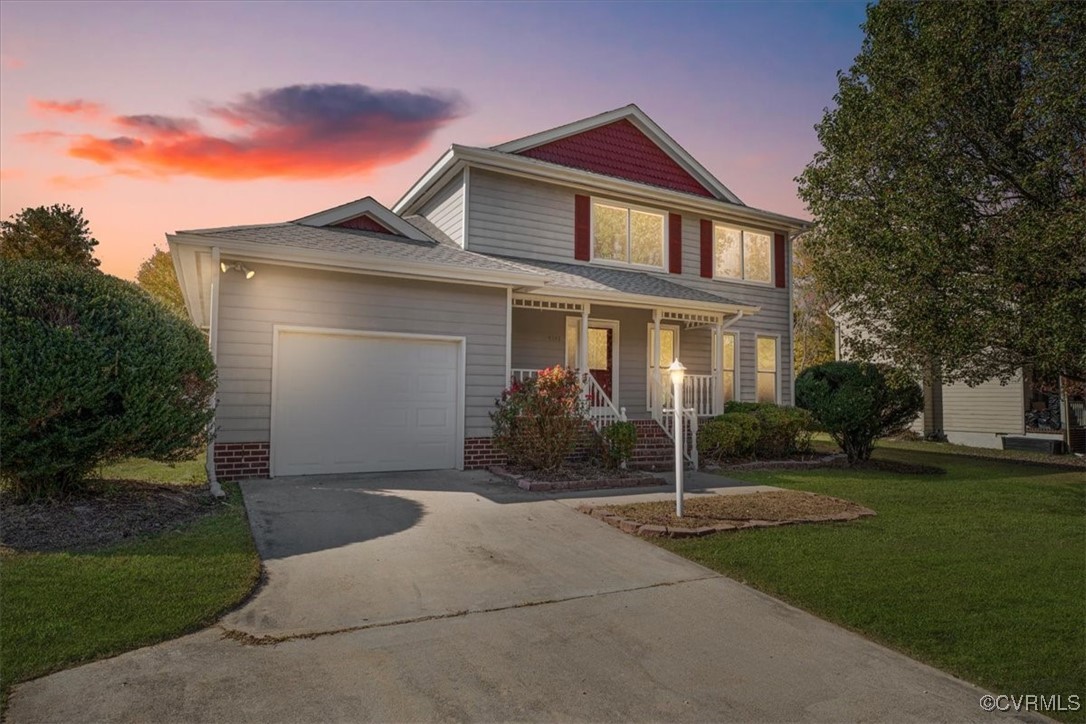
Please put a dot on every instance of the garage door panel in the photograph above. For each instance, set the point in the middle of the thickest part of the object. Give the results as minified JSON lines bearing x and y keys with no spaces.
{"x":354,"y":403}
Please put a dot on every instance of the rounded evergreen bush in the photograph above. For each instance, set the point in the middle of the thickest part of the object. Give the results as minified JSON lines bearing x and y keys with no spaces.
{"x":618,"y":441}
{"x":859,"y":402}
{"x":729,"y":436}
{"x":93,"y":370}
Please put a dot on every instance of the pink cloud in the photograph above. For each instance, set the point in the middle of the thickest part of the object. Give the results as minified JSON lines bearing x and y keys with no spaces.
{"x":10,"y":62}
{"x":297,"y":132}
{"x":76,"y":107}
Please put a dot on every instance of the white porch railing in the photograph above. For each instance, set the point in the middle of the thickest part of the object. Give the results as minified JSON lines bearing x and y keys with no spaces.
{"x":697,"y":402}
{"x":601,"y":410}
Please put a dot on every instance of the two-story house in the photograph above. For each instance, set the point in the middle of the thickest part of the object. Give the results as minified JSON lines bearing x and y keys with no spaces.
{"x":363,"y":338}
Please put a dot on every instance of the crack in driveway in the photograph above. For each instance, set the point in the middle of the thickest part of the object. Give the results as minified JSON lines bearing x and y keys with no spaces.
{"x":248,"y":639}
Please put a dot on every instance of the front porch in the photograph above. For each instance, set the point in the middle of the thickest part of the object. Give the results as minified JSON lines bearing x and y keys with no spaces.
{"x":623,"y":353}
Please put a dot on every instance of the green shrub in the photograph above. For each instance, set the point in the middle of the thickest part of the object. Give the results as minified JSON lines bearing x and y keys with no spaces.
{"x":735,"y":406}
{"x":782,"y":431}
{"x":859,"y":402}
{"x":93,"y":370}
{"x":728,"y":436}
{"x":617,"y":443}
{"x":538,"y":422}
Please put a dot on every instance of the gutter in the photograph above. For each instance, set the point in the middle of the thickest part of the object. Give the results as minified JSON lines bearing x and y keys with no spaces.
{"x":213,"y":344}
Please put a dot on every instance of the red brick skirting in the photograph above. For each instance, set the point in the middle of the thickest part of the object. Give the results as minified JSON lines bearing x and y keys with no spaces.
{"x":480,"y":454}
{"x":241,"y":460}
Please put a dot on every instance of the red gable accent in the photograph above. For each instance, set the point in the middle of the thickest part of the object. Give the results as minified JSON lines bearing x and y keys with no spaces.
{"x":707,"y":248}
{"x":365,"y":223}
{"x":675,"y":243}
{"x":619,"y":149}
{"x":779,"y":259}
{"x":582,"y":228}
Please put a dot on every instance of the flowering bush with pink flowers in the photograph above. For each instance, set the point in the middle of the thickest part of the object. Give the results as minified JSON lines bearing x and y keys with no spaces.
{"x":538,"y":422}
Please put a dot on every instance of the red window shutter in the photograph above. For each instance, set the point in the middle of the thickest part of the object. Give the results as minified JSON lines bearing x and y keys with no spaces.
{"x":707,"y":248}
{"x":675,"y":243}
{"x":780,"y":260}
{"x":582,"y":231}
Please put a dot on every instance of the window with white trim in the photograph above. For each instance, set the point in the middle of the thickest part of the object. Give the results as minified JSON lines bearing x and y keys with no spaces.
{"x":742,"y":254}
{"x":627,"y":234}
{"x":727,"y":366}
{"x":767,"y":369}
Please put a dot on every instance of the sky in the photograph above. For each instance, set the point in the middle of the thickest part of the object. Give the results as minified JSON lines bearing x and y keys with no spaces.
{"x":158,"y":116}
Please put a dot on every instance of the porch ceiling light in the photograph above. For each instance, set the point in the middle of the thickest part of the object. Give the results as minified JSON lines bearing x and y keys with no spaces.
{"x":677,"y":371}
{"x":249,"y":273}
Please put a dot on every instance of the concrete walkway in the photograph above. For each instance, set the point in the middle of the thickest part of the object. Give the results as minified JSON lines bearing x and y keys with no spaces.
{"x":438,"y":596}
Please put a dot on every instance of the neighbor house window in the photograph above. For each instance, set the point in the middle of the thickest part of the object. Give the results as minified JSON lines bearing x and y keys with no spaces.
{"x":728,"y":366}
{"x":767,"y":369}
{"x":742,"y":254}
{"x":627,"y":235}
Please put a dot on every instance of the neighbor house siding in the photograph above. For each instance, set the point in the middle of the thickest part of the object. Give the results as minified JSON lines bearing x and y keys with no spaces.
{"x":517,"y":217}
{"x":249,"y":309}
{"x":987,"y":408}
{"x":446,"y":209}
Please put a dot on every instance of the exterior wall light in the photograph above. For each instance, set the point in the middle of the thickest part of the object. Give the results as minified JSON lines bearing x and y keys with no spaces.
{"x":249,"y":273}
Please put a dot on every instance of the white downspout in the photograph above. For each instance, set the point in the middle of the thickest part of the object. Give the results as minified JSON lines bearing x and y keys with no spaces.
{"x":213,"y":344}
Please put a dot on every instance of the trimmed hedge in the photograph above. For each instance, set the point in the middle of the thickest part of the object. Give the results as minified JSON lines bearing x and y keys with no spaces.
{"x":94,"y":370}
{"x":755,"y":430}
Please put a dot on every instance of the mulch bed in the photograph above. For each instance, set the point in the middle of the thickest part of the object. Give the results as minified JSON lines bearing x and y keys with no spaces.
{"x":575,"y":477}
{"x":109,"y":512}
{"x":717,"y":513}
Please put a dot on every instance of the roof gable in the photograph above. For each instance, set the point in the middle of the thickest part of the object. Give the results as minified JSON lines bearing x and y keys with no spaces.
{"x":624,"y":143}
{"x":365,"y":214}
{"x":365,"y":222}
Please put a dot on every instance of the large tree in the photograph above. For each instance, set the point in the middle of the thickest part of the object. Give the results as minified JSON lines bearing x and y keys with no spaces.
{"x":812,"y":328}
{"x":950,"y":194}
{"x":48,"y":233}
{"x":156,"y":274}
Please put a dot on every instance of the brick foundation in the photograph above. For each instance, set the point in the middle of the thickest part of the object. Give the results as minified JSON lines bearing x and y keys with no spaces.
{"x":479,"y":453}
{"x":240,"y":460}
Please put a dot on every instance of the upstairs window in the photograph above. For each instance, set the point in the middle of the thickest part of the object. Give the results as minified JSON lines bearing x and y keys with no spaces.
{"x":627,"y":235}
{"x":742,"y":254}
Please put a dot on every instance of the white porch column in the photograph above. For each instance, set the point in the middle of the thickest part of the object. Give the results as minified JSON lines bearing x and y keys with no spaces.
{"x":582,"y":340}
{"x":718,"y":368}
{"x":656,"y":386}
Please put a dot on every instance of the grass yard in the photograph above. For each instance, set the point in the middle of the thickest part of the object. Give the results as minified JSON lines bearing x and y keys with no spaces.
{"x":62,"y":609}
{"x":980,"y":572}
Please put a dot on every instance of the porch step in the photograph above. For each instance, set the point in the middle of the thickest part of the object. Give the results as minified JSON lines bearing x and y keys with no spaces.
{"x":654,"y":449}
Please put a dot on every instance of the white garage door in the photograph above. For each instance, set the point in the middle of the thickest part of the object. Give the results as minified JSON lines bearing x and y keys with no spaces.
{"x":358,"y":403}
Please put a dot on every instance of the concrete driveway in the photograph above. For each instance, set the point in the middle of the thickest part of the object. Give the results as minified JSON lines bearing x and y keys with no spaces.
{"x":448,"y":596}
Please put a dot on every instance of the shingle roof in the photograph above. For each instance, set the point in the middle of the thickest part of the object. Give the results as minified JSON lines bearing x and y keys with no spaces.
{"x":290,"y":235}
{"x":588,"y":278}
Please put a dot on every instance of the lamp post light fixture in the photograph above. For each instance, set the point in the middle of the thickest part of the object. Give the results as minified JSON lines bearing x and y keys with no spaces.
{"x":678,"y":374}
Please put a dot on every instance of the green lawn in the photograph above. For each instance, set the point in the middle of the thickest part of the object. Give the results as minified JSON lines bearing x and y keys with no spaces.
{"x":61,"y":609}
{"x":981,"y":572}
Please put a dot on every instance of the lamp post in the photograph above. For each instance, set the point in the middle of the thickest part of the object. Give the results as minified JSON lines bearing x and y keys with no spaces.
{"x":678,"y":374}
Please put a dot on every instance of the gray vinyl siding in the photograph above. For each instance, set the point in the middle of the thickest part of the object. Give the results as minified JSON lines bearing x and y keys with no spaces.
{"x":446,"y":209}
{"x":988,"y":407}
{"x":539,"y":341}
{"x":249,"y":309}
{"x":513,"y":216}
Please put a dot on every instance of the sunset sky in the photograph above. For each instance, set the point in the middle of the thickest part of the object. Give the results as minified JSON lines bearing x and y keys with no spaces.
{"x":158,"y":116}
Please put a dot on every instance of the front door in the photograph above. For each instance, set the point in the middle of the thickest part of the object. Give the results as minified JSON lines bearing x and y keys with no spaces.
{"x":602,"y":352}
{"x":601,"y":357}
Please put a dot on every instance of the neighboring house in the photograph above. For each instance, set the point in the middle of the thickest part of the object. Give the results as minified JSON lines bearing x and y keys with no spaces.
{"x":363,"y":338}
{"x":1018,"y":413}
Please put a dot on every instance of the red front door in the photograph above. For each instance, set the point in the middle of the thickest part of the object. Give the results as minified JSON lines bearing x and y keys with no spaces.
{"x":601,"y":357}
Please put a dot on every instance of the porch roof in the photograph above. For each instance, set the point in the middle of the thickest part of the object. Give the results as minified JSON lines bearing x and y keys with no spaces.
{"x":599,"y":281}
